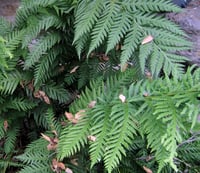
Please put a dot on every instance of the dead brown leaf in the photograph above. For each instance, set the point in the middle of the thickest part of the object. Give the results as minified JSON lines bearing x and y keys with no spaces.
{"x":74,"y":69}
{"x":147,"y":39}
{"x":67,"y":170}
{"x":92,"y":104}
{"x":47,"y":138}
{"x":124,"y":67}
{"x":53,"y":142}
{"x":147,"y":170}
{"x":92,"y":138}
{"x":122,"y":98}
{"x":74,"y":161}
{"x":42,"y":95}
{"x":79,"y":114}
{"x":57,"y":166}
{"x":5,"y":125}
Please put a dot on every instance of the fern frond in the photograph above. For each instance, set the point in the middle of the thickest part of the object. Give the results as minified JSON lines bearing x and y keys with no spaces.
{"x":11,"y":137}
{"x":36,"y":157}
{"x":9,"y":83}
{"x":84,"y":22}
{"x":41,"y":48}
{"x":56,"y":92}
{"x":73,"y":138}
{"x":43,"y":69}
{"x":120,"y":136}
{"x":37,"y":168}
{"x":52,"y":123}
{"x":100,"y":129}
{"x":156,"y":5}
{"x":21,"y":104}
{"x":38,"y":25}
{"x":131,"y":42}
{"x":120,"y":26}
{"x":14,"y":39}
{"x":5,"y":26}
{"x":102,"y":26}
{"x":130,"y":22}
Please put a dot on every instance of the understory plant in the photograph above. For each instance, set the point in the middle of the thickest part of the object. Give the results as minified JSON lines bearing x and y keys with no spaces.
{"x":90,"y":86}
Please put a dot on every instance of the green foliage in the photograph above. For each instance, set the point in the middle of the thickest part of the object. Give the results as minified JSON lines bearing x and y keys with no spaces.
{"x":128,"y":23}
{"x":156,"y":109}
{"x":79,"y":74}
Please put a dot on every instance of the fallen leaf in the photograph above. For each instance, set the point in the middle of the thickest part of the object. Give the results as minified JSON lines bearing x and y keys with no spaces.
{"x":57,"y":166}
{"x":31,"y":86}
{"x":124,"y":67}
{"x":52,"y":146}
{"x":92,"y":104}
{"x":53,"y":142}
{"x":92,"y":138}
{"x":148,"y":75}
{"x":67,"y":170}
{"x":69,"y":116}
{"x":147,"y":170}
{"x":145,"y":94}
{"x":74,"y":69}
{"x":47,"y":138}
{"x":147,"y":39}
{"x":46,"y":100}
{"x":74,"y":161}
{"x":105,"y":57}
{"x":79,"y":114}
{"x":42,"y":95}
{"x":118,"y":47}
{"x":5,"y":125}
{"x":122,"y":98}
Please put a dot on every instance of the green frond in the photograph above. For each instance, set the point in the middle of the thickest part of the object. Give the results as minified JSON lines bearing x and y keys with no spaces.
{"x":4,"y":54}
{"x":43,"y":69}
{"x":38,"y":25}
{"x":36,"y":157}
{"x":11,"y":137}
{"x":73,"y":138}
{"x":120,"y":26}
{"x":120,"y":135}
{"x":5,"y":26}
{"x":2,"y":130}
{"x":155,"y":5}
{"x":99,"y":128}
{"x":131,"y":42}
{"x":14,"y":39}
{"x":103,"y":25}
{"x":51,"y":121}
{"x":56,"y":92}
{"x":145,"y":51}
{"x":21,"y":104}
{"x":129,"y":22}
{"x":37,"y":168}
{"x":4,"y":164}
{"x":84,"y":22}
{"x":39,"y":3}
{"x":41,"y":48}
{"x":9,"y":82}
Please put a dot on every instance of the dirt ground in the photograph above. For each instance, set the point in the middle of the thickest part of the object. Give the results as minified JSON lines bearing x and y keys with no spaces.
{"x":8,"y":8}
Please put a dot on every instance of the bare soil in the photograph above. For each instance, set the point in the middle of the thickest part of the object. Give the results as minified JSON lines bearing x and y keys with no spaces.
{"x":8,"y":8}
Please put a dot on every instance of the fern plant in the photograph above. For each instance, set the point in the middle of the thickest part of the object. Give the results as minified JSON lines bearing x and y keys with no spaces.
{"x":80,"y":89}
{"x":129,"y":23}
{"x":156,"y":110}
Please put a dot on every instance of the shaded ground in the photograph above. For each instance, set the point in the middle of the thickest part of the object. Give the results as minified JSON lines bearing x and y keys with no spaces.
{"x":8,"y":8}
{"x":189,"y":20}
